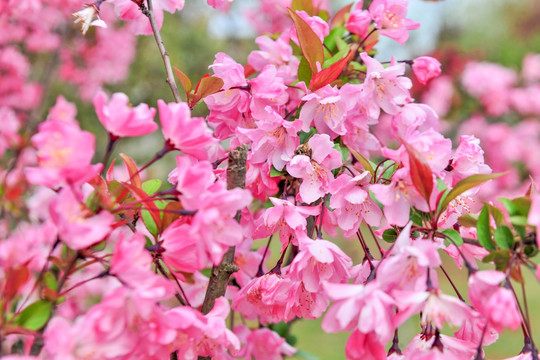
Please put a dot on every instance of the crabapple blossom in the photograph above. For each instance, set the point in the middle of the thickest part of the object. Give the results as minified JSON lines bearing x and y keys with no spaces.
{"x":426,"y":68}
{"x":120,"y":119}
{"x":390,"y":18}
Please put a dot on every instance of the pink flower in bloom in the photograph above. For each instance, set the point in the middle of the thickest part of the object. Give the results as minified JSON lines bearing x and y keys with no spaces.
{"x":359,"y":21}
{"x":406,"y":266}
{"x":63,"y":110}
{"x":265,"y":297}
{"x":352,"y":203}
{"x":189,"y":135}
{"x":426,"y":68}
{"x":390,"y":18}
{"x":64,"y":153}
{"x":228,"y":70}
{"x":77,"y":226}
{"x":440,"y":347}
{"x":317,"y":262}
{"x":261,"y":344}
{"x":128,"y":10}
{"x":398,"y":197}
{"x":497,"y":304}
{"x":367,"y":308}
{"x":276,"y":52}
{"x":259,"y":181}
{"x":439,"y":94}
{"x":191,"y":177}
{"x":288,"y":219}
{"x":274,"y":140}
{"x":182,"y":252}
{"x":472,"y":331}
{"x":364,"y":346}
{"x":467,"y":160}
{"x":327,"y":108}
{"x":132,"y":263}
{"x":435,"y":307}
{"x":122,"y":120}
{"x":386,"y":86}
{"x":268,"y":91}
{"x":413,"y":118}
{"x":315,"y":168}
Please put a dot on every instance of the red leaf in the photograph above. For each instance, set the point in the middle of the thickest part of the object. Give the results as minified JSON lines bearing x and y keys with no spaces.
{"x":134,"y":176}
{"x":311,"y":45}
{"x":421,"y":174}
{"x":169,"y":215}
{"x":249,"y":70}
{"x":16,"y":277}
{"x":207,"y":86}
{"x":326,"y":76}
{"x":341,"y":15}
{"x":184,"y":80}
{"x":154,"y":211}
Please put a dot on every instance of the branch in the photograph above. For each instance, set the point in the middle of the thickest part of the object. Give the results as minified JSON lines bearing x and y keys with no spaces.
{"x":149,"y":13}
{"x":236,"y":177}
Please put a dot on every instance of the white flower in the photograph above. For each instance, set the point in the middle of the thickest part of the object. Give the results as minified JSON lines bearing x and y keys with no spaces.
{"x":86,"y":18}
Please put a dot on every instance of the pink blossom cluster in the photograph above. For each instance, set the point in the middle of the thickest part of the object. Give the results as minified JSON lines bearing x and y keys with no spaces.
{"x":303,"y":144}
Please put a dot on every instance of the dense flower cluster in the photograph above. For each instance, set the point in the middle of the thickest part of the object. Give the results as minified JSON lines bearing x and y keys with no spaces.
{"x":312,"y":139}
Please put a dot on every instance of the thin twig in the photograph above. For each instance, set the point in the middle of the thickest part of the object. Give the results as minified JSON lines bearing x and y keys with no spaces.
{"x":149,"y":13}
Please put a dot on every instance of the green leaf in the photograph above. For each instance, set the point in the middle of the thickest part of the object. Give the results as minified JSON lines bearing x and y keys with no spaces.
{"x":466,"y":184}
{"x":333,"y":37}
{"x":483,"y":230}
{"x":35,"y":316}
{"x":504,"y":237}
{"x":454,"y":235}
{"x":304,"y":72}
{"x":467,"y":220}
{"x":331,"y":73}
{"x":305,"y":136}
{"x":390,"y":235}
{"x":441,"y":185}
{"x":149,"y":222}
{"x":530,"y":250}
{"x":363,"y":161}
{"x":50,"y":281}
{"x":151,"y":186}
{"x":343,"y":150}
{"x":275,"y":172}
{"x":499,"y":257}
{"x":518,"y":220}
{"x":510,"y":206}
{"x":497,"y":214}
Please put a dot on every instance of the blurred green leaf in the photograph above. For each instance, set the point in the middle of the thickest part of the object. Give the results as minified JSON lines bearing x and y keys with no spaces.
{"x":483,"y":230}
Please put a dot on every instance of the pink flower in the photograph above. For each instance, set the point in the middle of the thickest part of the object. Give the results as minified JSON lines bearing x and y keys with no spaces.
{"x":352,"y":203}
{"x":274,"y":140}
{"x":317,"y":262}
{"x":191,"y":177}
{"x":497,"y":304}
{"x":386,"y":86}
{"x":64,"y":153}
{"x":63,"y":110}
{"x":269,"y":93}
{"x":182,"y":252}
{"x":426,"y":68}
{"x":128,"y":10}
{"x":530,"y":68}
{"x":189,"y":135}
{"x":276,"y":52}
{"x":122,"y":120}
{"x":367,"y":308}
{"x":265,"y":297}
{"x":9,"y":132}
{"x":76,"y":224}
{"x":315,"y":168}
{"x":228,"y":70}
{"x":467,"y":160}
{"x":288,"y":219}
{"x":439,"y":94}
{"x":359,"y":21}
{"x":390,"y":17}
{"x":327,"y":108}
{"x":261,"y":344}
{"x":364,"y":346}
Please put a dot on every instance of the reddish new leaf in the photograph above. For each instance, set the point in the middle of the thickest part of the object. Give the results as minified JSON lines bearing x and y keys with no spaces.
{"x":134,"y":176}
{"x":341,"y":16}
{"x":184,"y":80}
{"x":331,"y":73}
{"x":15,"y":277}
{"x":311,"y":45}
{"x":207,"y":86}
{"x":140,"y":195}
{"x":421,"y":174}
{"x":249,"y":70}
{"x":171,"y":213}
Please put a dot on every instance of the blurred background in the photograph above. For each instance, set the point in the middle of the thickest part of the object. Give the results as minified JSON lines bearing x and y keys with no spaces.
{"x":501,"y":31}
